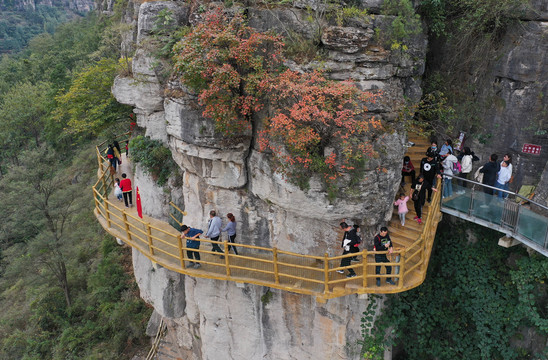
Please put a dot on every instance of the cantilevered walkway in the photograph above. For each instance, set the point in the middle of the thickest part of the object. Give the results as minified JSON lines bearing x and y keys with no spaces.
{"x":305,"y":274}
{"x":513,"y":216}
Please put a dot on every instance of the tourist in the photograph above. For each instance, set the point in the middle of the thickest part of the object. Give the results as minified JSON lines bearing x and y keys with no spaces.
{"x":433,"y":150}
{"x":508,"y":158}
{"x":350,"y":239}
{"x":418,"y":195}
{"x":214,"y":231}
{"x":117,"y":190}
{"x":117,"y":152}
{"x":356,"y":248}
{"x":230,"y":229}
{"x":191,"y":235}
{"x":490,"y":171}
{"x":111,"y":157}
{"x":382,"y":242}
{"x":407,"y":170}
{"x":125,"y":185}
{"x":448,"y":164}
{"x":402,"y":207}
{"x":429,"y":169}
{"x":503,"y":178}
{"x":446,"y":149}
{"x":466,"y":168}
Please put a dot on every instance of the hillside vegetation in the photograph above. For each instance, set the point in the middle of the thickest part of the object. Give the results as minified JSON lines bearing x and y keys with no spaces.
{"x":66,"y":288}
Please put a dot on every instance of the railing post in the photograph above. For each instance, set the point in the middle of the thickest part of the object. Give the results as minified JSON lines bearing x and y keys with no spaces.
{"x":96,"y":201}
{"x":400,"y":269}
{"x":107,"y":211}
{"x":225,"y":243}
{"x":126,"y":225}
{"x":180,"y":245}
{"x":99,"y":158}
{"x":325,"y":273}
{"x":472,"y":196}
{"x":515,"y":230}
{"x":149,"y":237}
{"x":104,"y":186}
{"x":364,"y":258}
{"x":546,"y":240}
{"x":275,"y":256}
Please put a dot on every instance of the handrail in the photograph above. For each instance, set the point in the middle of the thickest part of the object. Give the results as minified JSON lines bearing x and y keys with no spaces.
{"x":306,"y":274}
{"x":506,"y":216}
{"x":497,"y":189}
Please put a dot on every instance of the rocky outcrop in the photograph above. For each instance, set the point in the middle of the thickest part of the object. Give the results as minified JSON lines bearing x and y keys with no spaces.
{"x":233,"y":175}
{"x":513,"y":91}
{"x":518,"y":112}
{"x":211,"y":317}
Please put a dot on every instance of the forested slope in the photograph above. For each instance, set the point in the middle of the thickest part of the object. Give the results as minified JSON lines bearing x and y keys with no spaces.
{"x":66,"y":289}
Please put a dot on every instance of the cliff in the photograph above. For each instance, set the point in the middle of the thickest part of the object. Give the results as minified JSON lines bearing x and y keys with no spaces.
{"x":212,"y":316}
{"x":509,"y":94}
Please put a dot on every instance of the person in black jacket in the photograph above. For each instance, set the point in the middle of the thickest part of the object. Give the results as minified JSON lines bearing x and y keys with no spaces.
{"x":350,"y":240}
{"x":429,"y":169}
{"x":382,"y":242}
{"x":490,"y":171}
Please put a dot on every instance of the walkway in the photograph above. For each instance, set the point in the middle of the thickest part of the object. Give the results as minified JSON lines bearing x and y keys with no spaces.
{"x":304,"y":274}
{"x":512,"y":216}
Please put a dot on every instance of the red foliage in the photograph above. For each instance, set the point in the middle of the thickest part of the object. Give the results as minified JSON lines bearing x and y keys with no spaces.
{"x":317,"y":124}
{"x":313,"y":114}
{"x":230,"y":65}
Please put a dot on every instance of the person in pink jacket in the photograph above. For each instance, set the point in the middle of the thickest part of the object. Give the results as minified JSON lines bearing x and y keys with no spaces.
{"x":402,"y":207}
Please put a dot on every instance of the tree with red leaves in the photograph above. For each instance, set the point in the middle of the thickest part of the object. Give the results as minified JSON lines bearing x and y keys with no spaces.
{"x":317,"y":126}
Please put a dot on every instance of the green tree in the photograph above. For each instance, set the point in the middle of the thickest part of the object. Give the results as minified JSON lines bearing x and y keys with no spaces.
{"x":472,"y":302}
{"x":37,"y":189}
{"x":88,"y":106}
{"x":22,"y":113}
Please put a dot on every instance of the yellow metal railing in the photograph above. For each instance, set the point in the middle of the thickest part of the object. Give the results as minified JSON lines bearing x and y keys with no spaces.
{"x":272,"y":267}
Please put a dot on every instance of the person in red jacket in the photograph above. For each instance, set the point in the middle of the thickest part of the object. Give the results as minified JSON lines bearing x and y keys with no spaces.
{"x":125,"y":185}
{"x":407,"y":170}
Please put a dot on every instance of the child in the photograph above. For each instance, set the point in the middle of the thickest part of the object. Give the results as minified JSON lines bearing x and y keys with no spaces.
{"x":402,"y":207}
{"x":117,"y":190}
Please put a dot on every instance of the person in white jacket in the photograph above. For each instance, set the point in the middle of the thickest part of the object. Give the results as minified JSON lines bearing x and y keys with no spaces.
{"x":466,"y":165}
{"x":503,"y":177}
{"x":447,"y":164}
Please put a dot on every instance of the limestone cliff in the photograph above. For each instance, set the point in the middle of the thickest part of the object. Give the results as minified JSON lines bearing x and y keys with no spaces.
{"x":512,"y":93}
{"x":212,"y":317}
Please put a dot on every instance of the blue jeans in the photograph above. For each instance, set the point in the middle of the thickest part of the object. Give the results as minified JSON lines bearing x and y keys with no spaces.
{"x":502,"y":187}
{"x":447,"y":187}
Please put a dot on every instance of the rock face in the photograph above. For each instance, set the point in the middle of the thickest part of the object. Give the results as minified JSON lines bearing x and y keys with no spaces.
{"x":211,"y":316}
{"x":514,"y":91}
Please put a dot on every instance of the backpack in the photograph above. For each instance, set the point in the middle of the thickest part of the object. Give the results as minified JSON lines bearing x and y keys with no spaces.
{"x":478,"y":176}
{"x":457,"y":168}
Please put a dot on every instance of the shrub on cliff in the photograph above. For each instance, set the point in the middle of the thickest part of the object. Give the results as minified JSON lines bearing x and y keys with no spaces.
{"x":313,"y":124}
{"x":154,"y":157}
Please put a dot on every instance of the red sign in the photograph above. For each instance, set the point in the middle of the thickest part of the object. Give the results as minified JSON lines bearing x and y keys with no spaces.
{"x":531,"y":149}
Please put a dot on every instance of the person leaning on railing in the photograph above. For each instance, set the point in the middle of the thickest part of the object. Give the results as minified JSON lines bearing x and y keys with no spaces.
{"x":192,"y":234}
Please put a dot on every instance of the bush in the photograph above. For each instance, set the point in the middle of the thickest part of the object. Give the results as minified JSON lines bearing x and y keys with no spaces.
{"x":154,"y":157}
